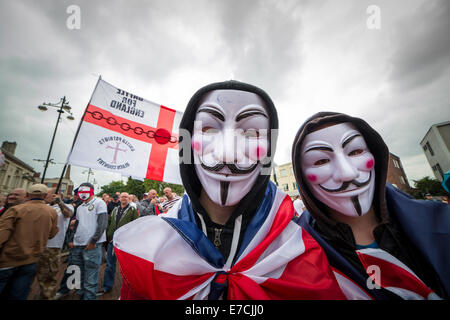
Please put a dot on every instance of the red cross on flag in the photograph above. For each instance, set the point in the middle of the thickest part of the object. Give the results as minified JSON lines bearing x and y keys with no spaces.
{"x":124,"y":133}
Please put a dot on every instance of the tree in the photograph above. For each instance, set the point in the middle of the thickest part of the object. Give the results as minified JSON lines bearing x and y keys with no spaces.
{"x":160,"y":186}
{"x":112,"y":188}
{"x":138,"y":187}
{"x":135,"y":187}
{"x":428,"y":185}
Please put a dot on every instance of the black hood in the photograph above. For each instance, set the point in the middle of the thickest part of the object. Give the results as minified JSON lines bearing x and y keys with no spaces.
{"x":249,"y":203}
{"x":376,"y":146}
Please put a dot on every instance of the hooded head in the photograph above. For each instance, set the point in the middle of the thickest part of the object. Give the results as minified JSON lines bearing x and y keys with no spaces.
{"x":340,"y":163}
{"x":230,"y":126}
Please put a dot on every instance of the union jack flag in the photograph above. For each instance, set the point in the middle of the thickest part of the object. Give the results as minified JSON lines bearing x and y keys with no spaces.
{"x":394,"y":275}
{"x":169,"y":257}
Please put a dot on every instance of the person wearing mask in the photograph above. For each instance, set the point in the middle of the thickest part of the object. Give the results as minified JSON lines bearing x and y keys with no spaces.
{"x":340,"y":163}
{"x":86,"y":242}
{"x":232,"y":235}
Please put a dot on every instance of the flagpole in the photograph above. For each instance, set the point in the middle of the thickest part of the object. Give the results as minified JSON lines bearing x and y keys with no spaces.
{"x":76,"y":135}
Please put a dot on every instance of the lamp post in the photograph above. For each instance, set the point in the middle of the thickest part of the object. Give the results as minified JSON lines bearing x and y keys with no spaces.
{"x":63,"y":108}
{"x":89,"y":172}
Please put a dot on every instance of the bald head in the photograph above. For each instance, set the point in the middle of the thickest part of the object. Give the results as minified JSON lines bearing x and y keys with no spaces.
{"x":168,"y":193}
{"x":124,"y":199}
{"x":17,"y":196}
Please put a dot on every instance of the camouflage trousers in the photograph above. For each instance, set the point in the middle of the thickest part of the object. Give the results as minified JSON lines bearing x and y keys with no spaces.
{"x":47,"y":272}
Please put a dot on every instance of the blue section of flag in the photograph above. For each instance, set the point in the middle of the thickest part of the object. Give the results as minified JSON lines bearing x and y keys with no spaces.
{"x":259,"y":217}
{"x":186,"y":226}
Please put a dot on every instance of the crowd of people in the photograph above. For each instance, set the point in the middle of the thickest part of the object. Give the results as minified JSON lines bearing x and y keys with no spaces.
{"x":36,"y":225}
{"x":234,"y":234}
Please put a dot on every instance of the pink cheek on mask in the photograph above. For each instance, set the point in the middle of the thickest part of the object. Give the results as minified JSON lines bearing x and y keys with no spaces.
{"x":369,"y":164}
{"x":260,"y":152}
{"x":311,"y":177}
{"x":197,"y":146}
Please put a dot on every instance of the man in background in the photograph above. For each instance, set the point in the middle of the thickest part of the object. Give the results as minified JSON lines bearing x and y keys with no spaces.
{"x":50,"y":259}
{"x":24,"y":231}
{"x":120,"y":216}
{"x":17,"y":196}
{"x":113,"y":203}
{"x":150,"y":205}
{"x":298,"y":205}
{"x":171,"y":199}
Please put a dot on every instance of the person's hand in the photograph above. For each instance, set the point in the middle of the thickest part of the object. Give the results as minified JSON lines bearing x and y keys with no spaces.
{"x":90,"y":246}
{"x":56,"y":198}
{"x":70,"y":245}
{"x":153,"y":201}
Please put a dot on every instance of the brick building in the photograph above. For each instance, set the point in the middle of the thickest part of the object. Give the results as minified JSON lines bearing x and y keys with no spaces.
{"x":66,"y":184}
{"x":396,"y":175}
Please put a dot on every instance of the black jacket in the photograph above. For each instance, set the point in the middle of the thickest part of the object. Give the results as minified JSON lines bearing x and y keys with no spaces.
{"x":250,"y":202}
{"x":389,"y":234}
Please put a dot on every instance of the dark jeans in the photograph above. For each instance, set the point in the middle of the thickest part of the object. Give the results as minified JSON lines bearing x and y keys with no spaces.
{"x":63,"y":286}
{"x":89,"y":264}
{"x":15,"y":283}
{"x":110,"y":270}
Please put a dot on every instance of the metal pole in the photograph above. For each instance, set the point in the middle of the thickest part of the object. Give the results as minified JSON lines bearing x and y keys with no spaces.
{"x":53,"y":139}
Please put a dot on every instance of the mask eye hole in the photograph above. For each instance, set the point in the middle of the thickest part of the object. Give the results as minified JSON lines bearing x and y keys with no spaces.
{"x":209,"y":130}
{"x":321,"y":162}
{"x":251,"y":133}
{"x":356,"y":152}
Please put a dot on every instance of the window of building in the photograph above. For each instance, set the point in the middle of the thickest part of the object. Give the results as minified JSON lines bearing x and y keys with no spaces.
{"x":294,"y":186}
{"x":439,"y":169}
{"x":402,"y":180}
{"x":285,"y":187}
{"x":429,"y":148}
{"x":396,"y":163}
{"x":283,"y":173}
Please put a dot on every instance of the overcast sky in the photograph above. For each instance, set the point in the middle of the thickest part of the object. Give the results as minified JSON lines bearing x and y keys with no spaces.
{"x":309,"y":56}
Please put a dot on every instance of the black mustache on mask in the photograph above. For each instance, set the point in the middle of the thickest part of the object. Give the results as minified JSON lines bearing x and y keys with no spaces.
{"x":233,"y":168}
{"x":347,"y":183}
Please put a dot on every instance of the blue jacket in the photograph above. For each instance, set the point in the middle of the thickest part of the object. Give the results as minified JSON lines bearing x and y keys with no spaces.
{"x":426,"y":224}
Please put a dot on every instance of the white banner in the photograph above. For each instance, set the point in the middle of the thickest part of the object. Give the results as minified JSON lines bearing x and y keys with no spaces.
{"x":126,"y":134}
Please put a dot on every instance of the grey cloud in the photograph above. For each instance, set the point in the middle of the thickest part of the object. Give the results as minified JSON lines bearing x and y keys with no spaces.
{"x":423,"y":46}
{"x":262,"y":39}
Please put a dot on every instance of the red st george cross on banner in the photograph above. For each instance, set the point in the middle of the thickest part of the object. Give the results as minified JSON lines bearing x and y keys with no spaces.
{"x":124,"y":133}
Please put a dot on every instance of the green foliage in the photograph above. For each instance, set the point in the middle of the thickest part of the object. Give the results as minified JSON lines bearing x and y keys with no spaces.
{"x":112,"y":188}
{"x":428,"y":185}
{"x":159,"y":187}
{"x":138,"y":187}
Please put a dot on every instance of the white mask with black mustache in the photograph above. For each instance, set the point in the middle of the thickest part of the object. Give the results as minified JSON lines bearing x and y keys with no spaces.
{"x":339,"y":168}
{"x":230,"y":138}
